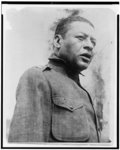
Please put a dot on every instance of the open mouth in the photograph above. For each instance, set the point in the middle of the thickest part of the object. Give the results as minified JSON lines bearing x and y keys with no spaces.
{"x":86,"y":57}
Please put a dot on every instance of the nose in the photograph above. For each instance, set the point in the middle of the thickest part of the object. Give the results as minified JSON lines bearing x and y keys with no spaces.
{"x":88,"y":45}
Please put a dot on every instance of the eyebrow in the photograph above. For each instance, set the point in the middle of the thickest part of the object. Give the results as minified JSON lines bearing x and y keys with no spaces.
{"x":93,"y":39}
{"x":87,"y":36}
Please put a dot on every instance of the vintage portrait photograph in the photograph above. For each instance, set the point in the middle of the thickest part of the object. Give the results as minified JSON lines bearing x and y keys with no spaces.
{"x":60,"y":75}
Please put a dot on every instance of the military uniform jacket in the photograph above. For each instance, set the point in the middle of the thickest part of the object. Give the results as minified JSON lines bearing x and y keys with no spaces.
{"x":52,"y":107}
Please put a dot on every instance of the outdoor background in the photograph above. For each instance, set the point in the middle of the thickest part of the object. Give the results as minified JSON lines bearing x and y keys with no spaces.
{"x":28,"y":34}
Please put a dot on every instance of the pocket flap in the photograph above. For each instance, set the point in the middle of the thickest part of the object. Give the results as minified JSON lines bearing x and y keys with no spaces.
{"x":69,"y":124}
{"x":67,"y":103}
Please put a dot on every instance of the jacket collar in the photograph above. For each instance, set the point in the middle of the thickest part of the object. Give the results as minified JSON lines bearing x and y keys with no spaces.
{"x":55,"y":61}
{"x":59,"y":65}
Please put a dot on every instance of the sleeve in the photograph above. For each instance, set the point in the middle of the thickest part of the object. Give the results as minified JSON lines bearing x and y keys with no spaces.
{"x":27,"y":124}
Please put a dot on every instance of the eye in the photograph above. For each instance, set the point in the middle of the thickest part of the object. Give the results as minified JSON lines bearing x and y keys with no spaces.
{"x":93,"y":42}
{"x":81,"y":38}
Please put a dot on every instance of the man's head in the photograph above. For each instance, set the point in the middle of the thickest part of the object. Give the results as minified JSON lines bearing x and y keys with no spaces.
{"x":74,"y":42}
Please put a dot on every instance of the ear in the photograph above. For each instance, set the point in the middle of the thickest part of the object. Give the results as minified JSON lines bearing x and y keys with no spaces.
{"x":58,"y":41}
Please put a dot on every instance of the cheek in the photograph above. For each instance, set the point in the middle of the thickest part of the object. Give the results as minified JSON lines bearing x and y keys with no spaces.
{"x":76,"y":49}
{"x":72,"y":49}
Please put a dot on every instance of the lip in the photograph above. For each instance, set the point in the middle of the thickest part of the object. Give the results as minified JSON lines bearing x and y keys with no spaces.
{"x":86,"y":56}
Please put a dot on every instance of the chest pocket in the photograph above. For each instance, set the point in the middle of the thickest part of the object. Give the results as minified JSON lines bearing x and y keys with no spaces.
{"x":69,"y":120}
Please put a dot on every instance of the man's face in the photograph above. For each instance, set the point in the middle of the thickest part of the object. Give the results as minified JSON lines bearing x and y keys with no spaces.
{"x":77,"y":45}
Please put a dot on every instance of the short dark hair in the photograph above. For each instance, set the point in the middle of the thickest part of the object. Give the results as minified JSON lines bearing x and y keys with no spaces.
{"x":62,"y":26}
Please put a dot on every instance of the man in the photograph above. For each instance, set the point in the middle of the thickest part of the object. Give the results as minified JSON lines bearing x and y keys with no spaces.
{"x":52,"y":106}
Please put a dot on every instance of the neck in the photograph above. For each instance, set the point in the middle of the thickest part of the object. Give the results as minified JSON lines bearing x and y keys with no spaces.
{"x":64,"y":67}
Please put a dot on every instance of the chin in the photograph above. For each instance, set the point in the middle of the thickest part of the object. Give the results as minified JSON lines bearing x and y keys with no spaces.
{"x":78,"y":66}
{"x":82,"y":67}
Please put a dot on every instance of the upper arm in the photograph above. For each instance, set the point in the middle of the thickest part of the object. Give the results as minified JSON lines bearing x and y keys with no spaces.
{"x":27,"y":122}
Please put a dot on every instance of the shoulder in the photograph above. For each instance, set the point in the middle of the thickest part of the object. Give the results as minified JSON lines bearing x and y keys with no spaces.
{"x":34,"y":74}
{"x":35,"y":71}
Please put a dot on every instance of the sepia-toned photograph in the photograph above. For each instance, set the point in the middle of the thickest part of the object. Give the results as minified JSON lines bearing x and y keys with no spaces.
{"x":59,"y":75}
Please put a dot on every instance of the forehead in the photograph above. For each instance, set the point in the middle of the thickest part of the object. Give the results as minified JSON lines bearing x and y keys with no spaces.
{"x":80,"y":27}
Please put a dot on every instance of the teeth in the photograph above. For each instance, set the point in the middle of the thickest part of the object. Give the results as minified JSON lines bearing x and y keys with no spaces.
{"x":86,"y":58}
